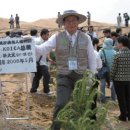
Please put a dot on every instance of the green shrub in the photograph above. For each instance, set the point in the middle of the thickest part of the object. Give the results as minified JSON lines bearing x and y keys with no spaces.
{"x":77,"y":114}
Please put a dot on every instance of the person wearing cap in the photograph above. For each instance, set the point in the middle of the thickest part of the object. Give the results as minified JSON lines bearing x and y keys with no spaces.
{"x":74,"y":55}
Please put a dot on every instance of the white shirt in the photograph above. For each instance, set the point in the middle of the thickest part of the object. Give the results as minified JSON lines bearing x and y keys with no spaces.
{"x":11,"y":18}
{"x":93,"y":34}
{"x":72,"y":38}
{"x":38,"y":41}
{"x":45,"y":48}
{"x":98,"y":60}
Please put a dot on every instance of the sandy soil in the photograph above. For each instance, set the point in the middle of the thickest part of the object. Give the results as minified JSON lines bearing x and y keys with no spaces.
{"x":40,"y":105}
{"x":15,"y":103}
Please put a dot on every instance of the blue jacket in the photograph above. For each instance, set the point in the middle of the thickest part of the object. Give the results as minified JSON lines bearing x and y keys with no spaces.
{"x":109,"y":51}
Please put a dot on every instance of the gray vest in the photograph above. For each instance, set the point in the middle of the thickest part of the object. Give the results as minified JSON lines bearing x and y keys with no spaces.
{"x":64,"y":50}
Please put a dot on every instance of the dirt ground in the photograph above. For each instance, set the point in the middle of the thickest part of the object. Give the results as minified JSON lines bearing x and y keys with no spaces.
{"x":39,"y":107}
{"x":18,"y":104}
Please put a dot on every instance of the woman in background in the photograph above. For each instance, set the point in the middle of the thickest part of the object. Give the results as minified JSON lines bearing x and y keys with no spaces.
{"x":120,"y":74}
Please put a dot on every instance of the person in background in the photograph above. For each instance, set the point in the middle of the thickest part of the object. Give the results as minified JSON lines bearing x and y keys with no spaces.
{"x":92,"y":32}
{"x":119,"y":32}
{"x":107,"y":33}
{"x":129,"y":39}
{"x":34,"y":36}
{"x":129,"y":35}
{"x":44,"y":37}
{"x":89,"y":18}
{"x":109,"y":53}
{"x":59,"y":25}
{"x":16,"y":34}
{"x":98,"y":58}
{"x":74,"y":55}
{"x":114,"y":37}
{"x":7,"y":33}
{"x":42,"y":70}
{"x":36,"y":41}
{"x":127,"y":18}
{"x":17,"y":21}
{"x":11,"y":22}
{"x":19,"y":34}
{"x":99,"y":65}
{"x":119,"y":20}
{"x":120,"y":74}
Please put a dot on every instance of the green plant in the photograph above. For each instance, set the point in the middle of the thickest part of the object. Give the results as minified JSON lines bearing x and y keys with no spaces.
{"x":77,"y":114}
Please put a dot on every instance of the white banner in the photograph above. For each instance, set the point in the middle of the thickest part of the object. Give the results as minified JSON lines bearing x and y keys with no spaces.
{"x":17,"y":55}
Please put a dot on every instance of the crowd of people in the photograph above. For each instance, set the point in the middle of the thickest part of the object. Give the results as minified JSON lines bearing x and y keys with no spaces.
{"x":77,"y":51}
{"x":75,"y":54}
{"x":116,"y":51}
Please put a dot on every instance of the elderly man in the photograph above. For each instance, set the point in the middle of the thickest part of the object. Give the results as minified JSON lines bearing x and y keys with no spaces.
{"x":74,"y":55}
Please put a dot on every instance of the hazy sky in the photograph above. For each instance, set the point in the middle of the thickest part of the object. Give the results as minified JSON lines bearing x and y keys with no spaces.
{"x":31,"y":10}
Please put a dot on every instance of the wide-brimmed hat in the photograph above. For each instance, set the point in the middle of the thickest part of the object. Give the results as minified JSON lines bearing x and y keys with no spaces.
{"x":67,"y":13}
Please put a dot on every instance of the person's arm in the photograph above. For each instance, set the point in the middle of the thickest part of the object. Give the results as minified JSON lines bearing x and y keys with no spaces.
{"x":114,"y":68}
{"x":50,"y":60}
{"x":47,"y":46}
{"x":91,"y":56}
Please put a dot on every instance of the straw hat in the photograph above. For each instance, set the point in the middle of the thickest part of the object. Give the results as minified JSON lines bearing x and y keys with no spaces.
{"x":67,"y":13}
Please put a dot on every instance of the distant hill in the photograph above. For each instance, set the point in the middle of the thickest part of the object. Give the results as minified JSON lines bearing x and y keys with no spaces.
{"x":52,"y":25}
{"x":47,"y":23}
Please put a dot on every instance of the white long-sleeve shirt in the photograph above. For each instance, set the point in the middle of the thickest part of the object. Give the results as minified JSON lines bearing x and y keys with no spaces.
{"x":38,"y":41}
{"x":98,"y":60}
{"x":45,"y":48}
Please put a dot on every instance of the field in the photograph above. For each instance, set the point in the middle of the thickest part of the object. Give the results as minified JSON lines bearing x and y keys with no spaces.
{"x":39,"y":107}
